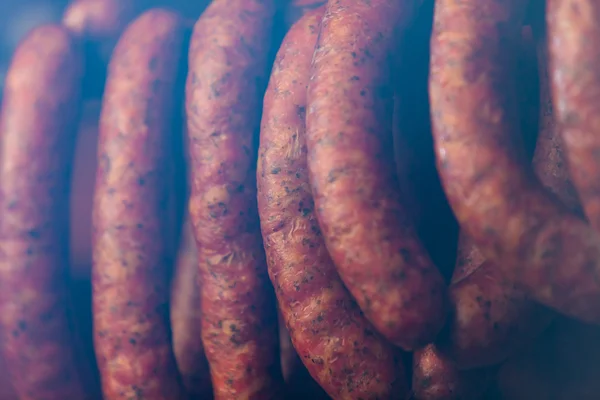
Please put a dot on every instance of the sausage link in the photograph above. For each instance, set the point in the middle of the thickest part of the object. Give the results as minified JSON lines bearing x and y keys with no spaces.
{"x":99,"y":23}
{"x":499,"y":203}
{"x":99,"y":20}
{"x":493,"y":317}
{"x":437,"y":378}
{"x":186,"y":319}
{"x":350,"y":160}
{"x":335,"y":342}
{"x":549,"y":160}
{"x":227,"y":75}
{"x":295,"y":9}
{"x":130,"y":271}
{"x":41,"y":104}
{"x":575,"y":89}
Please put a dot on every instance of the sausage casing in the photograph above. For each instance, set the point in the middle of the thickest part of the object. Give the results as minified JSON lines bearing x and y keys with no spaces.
{"x":130,"y":271}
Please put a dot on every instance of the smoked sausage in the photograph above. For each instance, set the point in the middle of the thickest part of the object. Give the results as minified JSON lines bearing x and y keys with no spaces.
{"x":334,"y":340}
{"x":493,"y":316}
{"x":130,"y":268}
{"x":575,"y":90}
{"x":350,"y":160}
{"x":295,"y":9}
{"x":38,"y":127}
{"x":99,"y":20}
{"x":551,"y":253}
{"x":228,"y":69}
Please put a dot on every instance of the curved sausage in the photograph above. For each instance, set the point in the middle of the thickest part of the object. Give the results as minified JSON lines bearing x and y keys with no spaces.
{"x":186,"y":319}
{"x":350,"y":160}
{"x":514,"y":221}
{"x":576,"y":89}
{"x":494,"y":317}
{"x":130,"y":271}
{"x":37,"y":137}
{"x":227,"y":72}
{"x":437,"y":378}
{"x":333,"y":339}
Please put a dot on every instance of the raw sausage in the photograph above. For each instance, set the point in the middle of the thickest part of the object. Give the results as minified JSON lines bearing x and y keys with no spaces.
{"x":350,"y":161}
{"x":227,"y":75}
{"x":41,"y":104}
{"x":186,"y":319}
{"x":130,"y":271}
{"x":514,"y":221}
{"x":574,"y":57}
{"x":336,"y":343}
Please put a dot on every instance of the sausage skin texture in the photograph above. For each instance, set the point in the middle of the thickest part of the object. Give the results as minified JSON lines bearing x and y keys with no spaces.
{"x":186,"y":319}
{"x":352,"y":174}
{"x":437,"y":378}
{"x":295,"y":9}
{"x":130,"y":271}
{"x":576,"y":90}
{"x":493,"y":317}
{"x":40,"y":109}
{"x":226,"y":80}
{"x":100,"y":20}
{"x":553,"y":254}
{"x":334,"y":340}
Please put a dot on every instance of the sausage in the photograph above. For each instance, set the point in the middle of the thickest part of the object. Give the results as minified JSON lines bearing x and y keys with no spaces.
{"x":436,"y":377}
{"x":336,"y":343}
{"x":350,"y":161}
{"x":549,"y":160}
{"x":101,"y":21}
{"x":186,"y":319}
{"x":494,"y":317}
{"x":575,"y":89}
{"x":551,"y":253}
{"x":37,"y":137}
{"x":130,"y":268}
{"x":420,"y":186}
{"x":228,"y":68}
{"x":561,"y":365}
